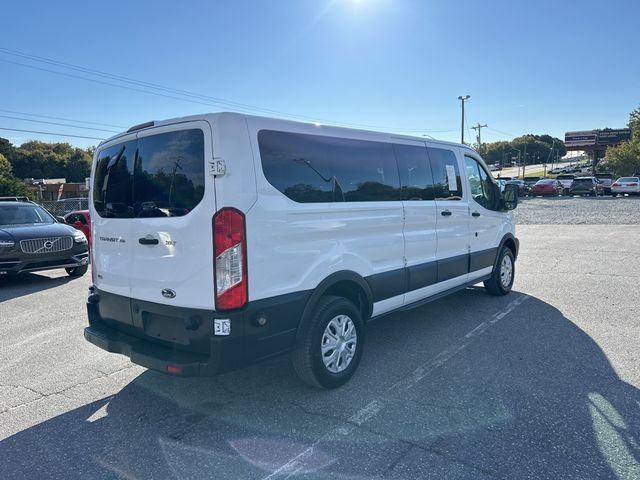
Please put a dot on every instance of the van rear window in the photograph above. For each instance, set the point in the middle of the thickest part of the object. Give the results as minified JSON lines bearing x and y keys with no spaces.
{"x":156,"y":176}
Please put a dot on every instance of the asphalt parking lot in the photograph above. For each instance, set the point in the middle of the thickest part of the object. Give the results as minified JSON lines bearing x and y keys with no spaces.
{"x":542,"y":383}
{"x":602,"y":210}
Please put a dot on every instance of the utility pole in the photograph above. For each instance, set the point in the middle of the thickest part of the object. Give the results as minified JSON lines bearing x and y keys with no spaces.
{"x":479,"y":128}
{"x":524,"y":163}
{"x":462,"y":99}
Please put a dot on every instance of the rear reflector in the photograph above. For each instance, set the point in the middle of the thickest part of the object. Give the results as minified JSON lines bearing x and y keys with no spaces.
{"x":174,"y":370}
{"x":230,"y":259}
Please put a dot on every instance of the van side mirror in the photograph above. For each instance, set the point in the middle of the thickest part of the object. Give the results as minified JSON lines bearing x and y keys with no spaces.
{"x":510,"y":196}
{"x":60,"y":219}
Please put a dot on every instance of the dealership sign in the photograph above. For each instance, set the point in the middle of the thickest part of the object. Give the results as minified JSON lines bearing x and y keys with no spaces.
{"x":581,"y":139}
{"x":593,"y":138}
{"x":613,"y":137}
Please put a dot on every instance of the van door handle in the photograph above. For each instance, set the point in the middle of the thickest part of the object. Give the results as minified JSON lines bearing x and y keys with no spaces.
{"x":148,"y":241}
{"x":445,"y":213}
{"x":475,"y":214}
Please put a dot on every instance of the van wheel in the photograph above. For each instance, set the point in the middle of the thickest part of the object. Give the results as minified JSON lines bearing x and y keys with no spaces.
{"x":503,"y":274}
{"x":77,"y":271}
{"x":330,"y":351}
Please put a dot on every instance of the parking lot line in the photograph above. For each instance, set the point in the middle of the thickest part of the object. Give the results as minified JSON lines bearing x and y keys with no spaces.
{"x":374,"y":407}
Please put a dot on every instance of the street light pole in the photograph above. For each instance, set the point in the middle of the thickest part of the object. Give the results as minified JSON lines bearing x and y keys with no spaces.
{"x":462,"y":99}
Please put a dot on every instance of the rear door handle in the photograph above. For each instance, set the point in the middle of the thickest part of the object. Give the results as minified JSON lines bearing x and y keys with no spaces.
{"x":148,"y":241}
{"x":445,"y":213}
{"x":475,"y":214}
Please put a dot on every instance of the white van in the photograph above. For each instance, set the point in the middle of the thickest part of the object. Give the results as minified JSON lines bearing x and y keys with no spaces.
{"x":223,"y":239}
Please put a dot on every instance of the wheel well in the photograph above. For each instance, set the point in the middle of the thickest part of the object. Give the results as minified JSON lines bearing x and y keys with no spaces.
{"x":511,"y":245}
{"x":353,"y":292}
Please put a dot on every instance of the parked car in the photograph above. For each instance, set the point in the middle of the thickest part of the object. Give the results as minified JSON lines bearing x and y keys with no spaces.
{"x":81,"y":220}
{"x":606,"y":179}
{"x":566,"y":180}
{"x":31,"y":239}
{"x":586,"y":186}
{"x":547,"y":187}
{"x":531,"y":181}
{"x":523,"y":188}
{"x":630,"y":185}
{"x":288,"y":262}
{"x":496,"y":167}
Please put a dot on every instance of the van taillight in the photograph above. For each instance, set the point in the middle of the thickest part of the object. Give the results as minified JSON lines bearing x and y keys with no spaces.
{"x":230,"y":259}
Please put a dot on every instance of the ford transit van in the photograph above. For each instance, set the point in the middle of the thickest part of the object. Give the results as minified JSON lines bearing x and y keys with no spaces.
{"x":223,"y":239}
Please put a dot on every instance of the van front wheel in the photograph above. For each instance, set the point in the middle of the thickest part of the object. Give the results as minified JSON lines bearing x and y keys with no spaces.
{"x":330,"y":351}
{"x":503,"y":274}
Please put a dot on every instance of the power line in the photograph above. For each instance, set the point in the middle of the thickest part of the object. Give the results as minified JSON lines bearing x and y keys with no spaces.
{"x":49,"y":133}
{"x":58,"y":124}
{"x":185,"y":95}
{"x":502,"y":133}
{"x":62,"y":118}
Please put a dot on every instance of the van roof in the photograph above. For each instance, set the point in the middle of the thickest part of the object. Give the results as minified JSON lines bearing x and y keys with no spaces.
{"x":277,"y":121}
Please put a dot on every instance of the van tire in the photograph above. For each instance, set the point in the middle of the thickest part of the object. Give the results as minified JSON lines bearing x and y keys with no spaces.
{"x":307,"y":356}
{"x":77,"y":271}
{"x":495,"y":284}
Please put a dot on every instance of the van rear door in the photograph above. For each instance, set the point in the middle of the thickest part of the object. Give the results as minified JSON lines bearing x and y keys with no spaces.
{"x":173,"y":202}
{"x":111,"y":238}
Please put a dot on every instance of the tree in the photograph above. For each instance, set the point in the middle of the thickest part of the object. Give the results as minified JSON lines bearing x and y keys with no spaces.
{"x":5,"y":167}
{"x":624,"y":159}
{"x":35,"y":159}
{"x":539,"y":149}
{"x":634,"y":123}
{"x":9,"y":185}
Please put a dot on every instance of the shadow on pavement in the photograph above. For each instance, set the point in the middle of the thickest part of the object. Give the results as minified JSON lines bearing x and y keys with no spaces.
{"x":531,"y":397}
{"x":15,"y":286}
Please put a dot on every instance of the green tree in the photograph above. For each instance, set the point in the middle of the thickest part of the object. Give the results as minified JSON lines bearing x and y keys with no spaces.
{"x":35,"y":159}
{"x":9,"y":185}
{"x":539,"y":149}
{"x":624,"y":159}
{"x":5,"y":167}
{"x":634,"y":123}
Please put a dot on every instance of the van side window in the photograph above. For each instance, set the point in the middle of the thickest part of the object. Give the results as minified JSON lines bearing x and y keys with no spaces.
{"x":314,"y":168}
{"x":482,"y":189}
{"x":415,"y":172}
{"x":446,"y":174}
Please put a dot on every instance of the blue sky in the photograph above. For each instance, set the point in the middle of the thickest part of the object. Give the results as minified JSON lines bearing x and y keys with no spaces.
{"x":397,"y":65}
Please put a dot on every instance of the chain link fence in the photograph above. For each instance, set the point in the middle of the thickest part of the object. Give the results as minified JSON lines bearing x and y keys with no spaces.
{"x":64,"y":206}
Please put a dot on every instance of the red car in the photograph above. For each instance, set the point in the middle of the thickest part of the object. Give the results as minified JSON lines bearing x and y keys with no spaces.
{"x":547,"y":187}
{"x":81,"y":220}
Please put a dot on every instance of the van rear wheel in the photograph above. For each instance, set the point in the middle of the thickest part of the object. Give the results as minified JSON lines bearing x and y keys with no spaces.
{"x":503,"y":274}
{"x":330,"y":351}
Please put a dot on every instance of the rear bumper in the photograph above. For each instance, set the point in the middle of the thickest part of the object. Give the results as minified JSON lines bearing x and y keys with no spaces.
{"x":581,"y":191}
{"x":148,"y":354}
{"x":625,"y":190}
{"x":181,"y":341}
